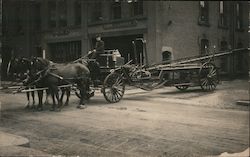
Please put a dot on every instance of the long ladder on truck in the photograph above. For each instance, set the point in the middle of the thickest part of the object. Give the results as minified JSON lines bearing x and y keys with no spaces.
{"x":187,"y":61}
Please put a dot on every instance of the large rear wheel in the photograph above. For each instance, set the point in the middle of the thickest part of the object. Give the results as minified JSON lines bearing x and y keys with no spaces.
{"x":208,"y":77}
{"x":113,"y":87}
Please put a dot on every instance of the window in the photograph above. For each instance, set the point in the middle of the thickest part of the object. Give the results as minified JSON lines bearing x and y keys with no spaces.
{"x":62,"y":12}
{"x":223,"y":14}
{"x":97,"y":11}
{"x":116,"y":10}
{"x":19,"y":20}
{"x":65,"y":51}
{"x":136,"y":8}
{"x":204,"y":13}
{"x":37,"y":14}
{"x":166,"y":56}
{"x":223,"y":45}
{"x":52,"y":13}
{"x":204,"y":46}
{"x":239,"y":14}
{"x":78,"y":12}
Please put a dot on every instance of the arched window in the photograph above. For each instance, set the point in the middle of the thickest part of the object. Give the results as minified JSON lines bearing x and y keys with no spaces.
{"x":204,"y":46}
{"x":166,"y":56}
{"x":223,"y":45}
{"x":204,"y":12}
{"x":116,"y":10}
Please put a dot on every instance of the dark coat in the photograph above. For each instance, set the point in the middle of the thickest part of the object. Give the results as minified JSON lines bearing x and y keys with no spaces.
{"x":99,"y":46}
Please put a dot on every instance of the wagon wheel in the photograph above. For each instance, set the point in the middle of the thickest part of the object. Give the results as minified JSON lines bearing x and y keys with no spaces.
{"x":182,"y":87}
{"x":208,"y":76}
{"x":113,"y":87}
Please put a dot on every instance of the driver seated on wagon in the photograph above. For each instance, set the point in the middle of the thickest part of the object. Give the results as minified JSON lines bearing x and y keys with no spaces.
{"x":99,"y":48}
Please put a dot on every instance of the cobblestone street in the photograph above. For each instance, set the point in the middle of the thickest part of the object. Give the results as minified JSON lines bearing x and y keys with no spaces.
{"x":164,"y":122}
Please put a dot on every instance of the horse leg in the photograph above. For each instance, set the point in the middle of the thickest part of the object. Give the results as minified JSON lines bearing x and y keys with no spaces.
{"x":68,"y":95}
{"x":28,"y":98}
{"x":54,"y":93}
{"x":58,"y":100}
{"x":54,"y":102}
{"x":33,"y":98}
{"x":47,"y":97}
{"x":61,"y":98}
{"x":40,"y":100}
{"x":83,"y":95}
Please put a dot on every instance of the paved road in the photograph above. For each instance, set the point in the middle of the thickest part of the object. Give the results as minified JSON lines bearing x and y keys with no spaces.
{"x":164,"y":122}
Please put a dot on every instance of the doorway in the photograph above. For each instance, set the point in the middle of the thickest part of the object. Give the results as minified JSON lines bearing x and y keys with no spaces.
{"x":124,"y":45}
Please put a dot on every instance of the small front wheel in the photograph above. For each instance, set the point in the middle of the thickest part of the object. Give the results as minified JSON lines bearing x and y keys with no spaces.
{"x":113,"y":87}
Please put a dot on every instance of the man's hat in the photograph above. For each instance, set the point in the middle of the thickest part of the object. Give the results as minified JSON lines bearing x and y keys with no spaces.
{"x":97,"y":35}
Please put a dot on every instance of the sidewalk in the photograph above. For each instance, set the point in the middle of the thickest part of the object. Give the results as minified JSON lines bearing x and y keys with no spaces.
{"x":13,"y":145}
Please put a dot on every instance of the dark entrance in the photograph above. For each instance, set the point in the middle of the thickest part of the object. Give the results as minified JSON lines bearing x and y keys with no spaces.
{"x":124,"y":45}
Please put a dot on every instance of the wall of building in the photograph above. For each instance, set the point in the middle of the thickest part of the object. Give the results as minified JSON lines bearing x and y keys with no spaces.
{"x":166,"y":26}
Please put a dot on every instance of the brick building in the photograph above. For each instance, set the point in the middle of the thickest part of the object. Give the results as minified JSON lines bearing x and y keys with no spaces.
{"x":64,"y":29}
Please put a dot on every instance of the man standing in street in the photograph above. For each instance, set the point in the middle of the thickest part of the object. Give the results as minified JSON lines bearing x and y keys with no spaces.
{"x":99,"y":48}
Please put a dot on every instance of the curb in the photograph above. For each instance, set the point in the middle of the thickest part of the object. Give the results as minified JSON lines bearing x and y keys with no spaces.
{"x":243,"y":102}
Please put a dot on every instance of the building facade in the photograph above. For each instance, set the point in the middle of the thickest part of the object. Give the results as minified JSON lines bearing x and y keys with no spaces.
{"x":64,"y":30}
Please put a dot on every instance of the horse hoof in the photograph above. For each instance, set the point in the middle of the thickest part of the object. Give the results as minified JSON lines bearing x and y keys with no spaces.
{"x":81,"y":106}
{"x":39,"y":109}
{"x":27,"y":107}
{"x":58,"y":110}
{"x":52,"y":109}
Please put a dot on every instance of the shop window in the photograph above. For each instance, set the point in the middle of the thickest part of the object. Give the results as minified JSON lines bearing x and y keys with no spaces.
{"x":223,"y":14}
{"x":116,"y":10}
{"x":204,"y":46}
{"x":62,"y":12}
{"x":204,"y":13}
{"x":52,"y":13}
{"x":78,"y":12}
{"x":239,"y":16}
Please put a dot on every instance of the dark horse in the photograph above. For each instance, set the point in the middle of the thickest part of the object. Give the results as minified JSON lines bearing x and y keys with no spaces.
{"x":18,"y":70}
{"x":52,"y":75}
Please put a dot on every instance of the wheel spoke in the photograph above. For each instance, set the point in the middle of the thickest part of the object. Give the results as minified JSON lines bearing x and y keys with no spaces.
{"x":115,"y":87}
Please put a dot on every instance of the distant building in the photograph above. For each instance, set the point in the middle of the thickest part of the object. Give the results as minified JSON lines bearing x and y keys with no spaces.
{"x":64,"y":29}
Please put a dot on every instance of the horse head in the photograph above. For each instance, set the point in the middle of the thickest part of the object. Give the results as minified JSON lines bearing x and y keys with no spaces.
{"x":18,"y":68}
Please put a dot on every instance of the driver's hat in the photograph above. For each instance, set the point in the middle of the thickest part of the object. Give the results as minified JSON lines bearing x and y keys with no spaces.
{"x":97,"y":35}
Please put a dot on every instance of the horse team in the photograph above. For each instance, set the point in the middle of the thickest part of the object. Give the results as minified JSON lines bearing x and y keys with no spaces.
{"x":41,"y":73}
